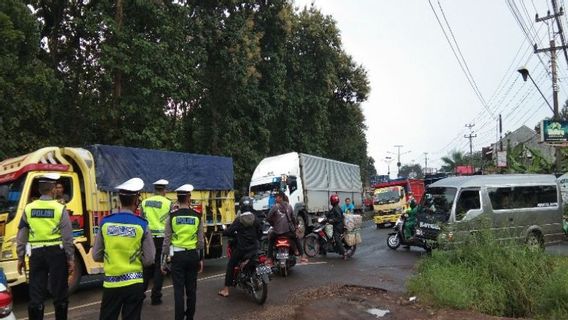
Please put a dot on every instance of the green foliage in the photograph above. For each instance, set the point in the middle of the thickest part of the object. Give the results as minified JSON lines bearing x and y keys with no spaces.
{"x":523,"y":159}
{"x":496,"y":278}
{"x":245,"y":79}
{"x":413,"y":171}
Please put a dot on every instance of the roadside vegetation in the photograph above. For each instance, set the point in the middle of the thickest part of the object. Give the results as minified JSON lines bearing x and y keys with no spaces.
{"x":490,"y":277}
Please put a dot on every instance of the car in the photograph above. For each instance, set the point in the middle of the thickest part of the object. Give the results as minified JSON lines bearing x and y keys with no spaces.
{"x":5,"y":299}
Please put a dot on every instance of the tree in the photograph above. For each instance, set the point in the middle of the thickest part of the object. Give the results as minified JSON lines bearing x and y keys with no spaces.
{"x":453,"y":160}
{"x":413,"y":171}
{"x":28,"y":88}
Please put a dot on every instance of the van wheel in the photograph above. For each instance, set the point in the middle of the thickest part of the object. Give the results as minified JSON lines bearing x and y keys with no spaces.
{"x":535,"y":241}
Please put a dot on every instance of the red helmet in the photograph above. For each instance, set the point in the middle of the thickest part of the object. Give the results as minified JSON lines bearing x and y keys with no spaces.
{"x":334,"y":199}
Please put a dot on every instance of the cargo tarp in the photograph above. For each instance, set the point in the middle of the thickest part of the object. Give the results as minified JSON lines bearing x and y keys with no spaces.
{"x":115,"y":164}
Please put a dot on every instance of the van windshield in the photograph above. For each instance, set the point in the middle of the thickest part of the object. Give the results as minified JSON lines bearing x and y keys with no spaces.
{"x":442,"y":199}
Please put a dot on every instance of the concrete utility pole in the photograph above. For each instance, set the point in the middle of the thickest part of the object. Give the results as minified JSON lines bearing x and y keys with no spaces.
{"x":470,"y":136}
{"x":552,"y":49}
{"x":398,"y":163}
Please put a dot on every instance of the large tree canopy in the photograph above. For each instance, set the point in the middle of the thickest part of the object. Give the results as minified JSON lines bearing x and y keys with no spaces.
{"x":245,"y":79}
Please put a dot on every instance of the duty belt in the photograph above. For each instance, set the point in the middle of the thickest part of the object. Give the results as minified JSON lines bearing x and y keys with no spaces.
{"x":124,"y":277}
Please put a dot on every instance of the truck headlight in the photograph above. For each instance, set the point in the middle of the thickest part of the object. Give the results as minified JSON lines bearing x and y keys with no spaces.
{"x":7,"y":249}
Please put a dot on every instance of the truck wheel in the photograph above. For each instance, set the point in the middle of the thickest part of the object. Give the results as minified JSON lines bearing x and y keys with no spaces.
{"x":301,"y":227}
{"x":379,"y":225}
{"x":75,"y":279}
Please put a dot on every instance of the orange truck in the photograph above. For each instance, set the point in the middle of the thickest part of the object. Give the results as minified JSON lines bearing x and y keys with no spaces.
{"x":391,"y":199}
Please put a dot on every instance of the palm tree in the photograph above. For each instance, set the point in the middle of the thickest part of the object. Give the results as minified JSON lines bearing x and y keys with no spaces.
{"x":452,"y":161}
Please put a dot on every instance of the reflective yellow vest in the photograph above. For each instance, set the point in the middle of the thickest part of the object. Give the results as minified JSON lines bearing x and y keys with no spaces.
{"x":185,"y":225}
{"x":44,"y":218}
{"x":156,"y":210}
{"x":122,"y":235}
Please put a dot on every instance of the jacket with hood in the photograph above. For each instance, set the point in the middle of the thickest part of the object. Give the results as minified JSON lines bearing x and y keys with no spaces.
{"x":247,"y":231}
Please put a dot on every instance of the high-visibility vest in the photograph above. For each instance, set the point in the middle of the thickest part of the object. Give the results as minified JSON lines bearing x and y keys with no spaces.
{"x":156,"y":210}
{"x":122,"y":235}
{"x":44,"y":218}
{"x":185,"y":225}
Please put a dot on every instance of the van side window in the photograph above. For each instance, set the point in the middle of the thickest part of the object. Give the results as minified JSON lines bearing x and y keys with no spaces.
{"x":468,"y":200}
{"x":524,"y":197}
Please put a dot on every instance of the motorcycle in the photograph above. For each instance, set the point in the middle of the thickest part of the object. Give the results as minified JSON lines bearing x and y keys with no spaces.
{"x":425,"y":234}
{"x":284,"y":257}
{"x":252,"y":275}
{"x":321,"y":240}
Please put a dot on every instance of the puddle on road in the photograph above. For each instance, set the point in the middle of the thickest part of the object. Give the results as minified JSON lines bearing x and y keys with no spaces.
{"x":379,"y":313}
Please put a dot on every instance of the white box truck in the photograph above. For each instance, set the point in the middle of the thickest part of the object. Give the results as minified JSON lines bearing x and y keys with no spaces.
{"x":308,"y":182}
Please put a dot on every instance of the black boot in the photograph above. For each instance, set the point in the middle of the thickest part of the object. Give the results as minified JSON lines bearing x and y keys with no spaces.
{"x":61,"y":311}
{"x":35,"y":312}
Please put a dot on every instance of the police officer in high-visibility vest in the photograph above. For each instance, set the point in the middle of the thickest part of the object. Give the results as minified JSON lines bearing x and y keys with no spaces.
{"x":46,"y":236}
{"x":183,"y":242}
{"x":124,"y":243}
{"x":156,"y":209}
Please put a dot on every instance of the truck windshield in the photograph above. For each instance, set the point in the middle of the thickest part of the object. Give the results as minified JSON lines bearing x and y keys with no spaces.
{"x":442,"y":199}
{"x":387,"y":196}
{"x":10,"y":193}
{"x":261,"y":191}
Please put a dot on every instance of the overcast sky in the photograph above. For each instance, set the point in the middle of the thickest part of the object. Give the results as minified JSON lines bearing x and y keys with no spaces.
{"x":420,"y":98}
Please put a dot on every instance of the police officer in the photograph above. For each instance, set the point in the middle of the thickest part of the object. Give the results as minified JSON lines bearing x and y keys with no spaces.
{"x":184,"y":233}
{"x":46,"y":236}
{"x":156,"y":210}
{"x":124,"y":243}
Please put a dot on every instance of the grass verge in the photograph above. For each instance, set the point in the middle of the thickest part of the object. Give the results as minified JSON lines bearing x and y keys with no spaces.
{"x":494,"y":278}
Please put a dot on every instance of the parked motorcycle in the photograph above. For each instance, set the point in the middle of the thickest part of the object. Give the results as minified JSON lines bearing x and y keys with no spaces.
{"x":321,"y":241}
{"x":252,"y":275}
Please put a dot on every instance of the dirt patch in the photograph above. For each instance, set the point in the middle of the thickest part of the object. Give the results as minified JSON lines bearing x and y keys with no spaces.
{"x":354,"y":302}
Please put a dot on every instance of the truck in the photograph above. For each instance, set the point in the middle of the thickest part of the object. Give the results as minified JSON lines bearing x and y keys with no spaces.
{"x":89,"y":176}
{"x":391,"y":199}
{"x":308,"y":181}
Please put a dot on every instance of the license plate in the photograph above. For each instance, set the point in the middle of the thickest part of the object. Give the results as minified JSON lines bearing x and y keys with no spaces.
{"x":261,"y":270}
{"x":282,"y":255}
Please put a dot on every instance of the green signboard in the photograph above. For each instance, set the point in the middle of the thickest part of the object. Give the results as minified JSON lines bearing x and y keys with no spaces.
{"x":554,"y":131}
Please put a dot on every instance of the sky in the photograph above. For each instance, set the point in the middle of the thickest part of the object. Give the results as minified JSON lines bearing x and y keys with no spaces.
{"x":420,"y":98}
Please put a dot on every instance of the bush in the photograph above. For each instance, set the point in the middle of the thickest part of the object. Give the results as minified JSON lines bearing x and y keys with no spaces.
{"x":496,"y":278}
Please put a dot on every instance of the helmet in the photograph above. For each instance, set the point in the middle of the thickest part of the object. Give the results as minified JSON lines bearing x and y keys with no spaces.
{"x":412,"y":204}
{"x":245,"y":204}
{"x":334,"y":199}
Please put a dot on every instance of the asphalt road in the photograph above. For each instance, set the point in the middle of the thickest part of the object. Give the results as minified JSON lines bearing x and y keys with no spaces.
{"x":372,"y":265}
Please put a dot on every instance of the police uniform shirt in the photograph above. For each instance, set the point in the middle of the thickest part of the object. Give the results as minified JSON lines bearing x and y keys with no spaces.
{"x":148,"y":249}
{"x":64,"y":228}
{"x":169,"y":232}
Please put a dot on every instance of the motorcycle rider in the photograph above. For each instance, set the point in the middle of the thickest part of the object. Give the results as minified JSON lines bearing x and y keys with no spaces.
{"x":335,"y":218}
{"x":410,"y":220}
{"x":281,"y":218}
{"x":246,"y":231}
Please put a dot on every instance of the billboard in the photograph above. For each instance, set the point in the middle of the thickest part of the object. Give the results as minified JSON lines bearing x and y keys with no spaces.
{"x":554,"y":131}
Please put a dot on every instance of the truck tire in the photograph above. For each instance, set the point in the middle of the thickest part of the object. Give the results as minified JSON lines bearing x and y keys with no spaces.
{"x":301,"y":232}
{"x":75,"y":279}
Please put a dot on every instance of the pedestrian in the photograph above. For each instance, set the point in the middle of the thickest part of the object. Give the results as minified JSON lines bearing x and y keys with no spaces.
{"x":156,"y":209}
{"x":46,"y":236}
{"x":348,"y":207}
{"x":281,"y":218}
{"x":124,"y":243}
{"x":183,"y":244}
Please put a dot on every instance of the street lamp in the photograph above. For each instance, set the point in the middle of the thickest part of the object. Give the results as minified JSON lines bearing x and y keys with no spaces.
{"x":525,"y":73}
{"x":388,"y":161}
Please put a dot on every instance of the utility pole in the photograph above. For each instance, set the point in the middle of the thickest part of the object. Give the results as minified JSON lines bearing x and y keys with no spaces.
{"x":552,"y":49}
{"x":425,"y":162}
{"x":470,"y":136}
{"x":398,"y":163}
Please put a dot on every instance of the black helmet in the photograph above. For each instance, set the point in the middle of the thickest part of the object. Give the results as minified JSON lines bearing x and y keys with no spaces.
{"x":245,"y":204}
